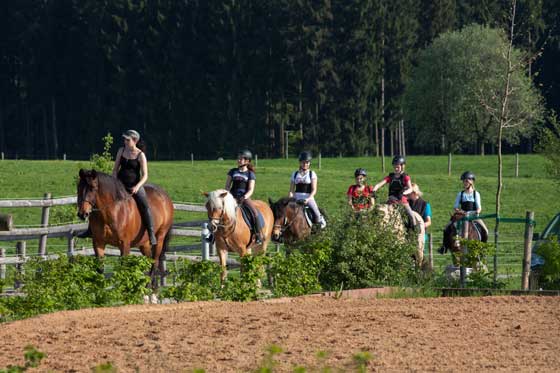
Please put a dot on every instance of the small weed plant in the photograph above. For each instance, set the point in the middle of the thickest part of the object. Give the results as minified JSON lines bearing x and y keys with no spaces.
{"x":550,"y":273}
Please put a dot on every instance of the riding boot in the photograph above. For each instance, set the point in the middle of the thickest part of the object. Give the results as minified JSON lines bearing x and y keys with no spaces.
{"x":257,"y":220}
{"x":146,"y":214}
{"x":85,"y":234}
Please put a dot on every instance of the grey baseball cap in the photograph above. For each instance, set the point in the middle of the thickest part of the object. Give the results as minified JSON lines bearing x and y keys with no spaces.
{"x":131,"y":134}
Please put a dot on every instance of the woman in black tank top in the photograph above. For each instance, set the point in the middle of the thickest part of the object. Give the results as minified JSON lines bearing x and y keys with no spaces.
{"x":131,"y":168}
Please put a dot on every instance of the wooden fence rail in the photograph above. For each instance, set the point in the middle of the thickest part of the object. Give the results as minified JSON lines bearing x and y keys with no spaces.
{"x":70,"y":230}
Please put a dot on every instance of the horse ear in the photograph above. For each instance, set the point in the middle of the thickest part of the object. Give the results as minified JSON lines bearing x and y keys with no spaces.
{"x":93,"y":173}
{"x":270,"y":202}
{"x":205,"y":194}
{"x":223,"y":195}
{"x":82,"y":173}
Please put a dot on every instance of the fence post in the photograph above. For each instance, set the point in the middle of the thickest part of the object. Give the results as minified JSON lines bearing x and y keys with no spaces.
{"x":319,"y":160}
{"x":163,"y":275}
{"x":516,"y":164}
{"x":70,"y":250}
{"x":256,"y":160}
{"x":20,"y":253}
{"x":463,"y":269}
{"x":44,"y":224}
{"x":2,"y":155}
{"x":192,"y":159}
{"x":530,"y":215}
{"x":431,"y":251}
{"x":2,"y":266}
{"x":64,"y":157}
{"x":449,"y":164}
{"x":205,"y":244}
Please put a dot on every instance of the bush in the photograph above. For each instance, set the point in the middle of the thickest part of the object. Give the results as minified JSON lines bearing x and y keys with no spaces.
{"x":550,"y":273}
{"x":74,"y":283}
{"x":194,"y":281}
{"x":294,"y":274}
{"x":362,"y":252}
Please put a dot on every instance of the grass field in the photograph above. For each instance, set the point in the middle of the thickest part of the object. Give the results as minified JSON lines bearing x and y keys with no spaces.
{"x":532,"y":190}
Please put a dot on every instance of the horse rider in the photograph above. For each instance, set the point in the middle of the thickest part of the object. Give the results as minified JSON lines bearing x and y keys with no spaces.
{"x":241,"y":184}
{"x":469,"y":199}
{"x":303,"y":186}
{"x":360,"y":195}
{"x":131,"y":168}
{"x":422,"y":207}
{"x":399,"y":186}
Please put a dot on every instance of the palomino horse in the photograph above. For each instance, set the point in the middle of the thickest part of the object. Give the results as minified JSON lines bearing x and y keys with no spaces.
{"x":290,"y":223}
{"x":452,"y":237}
{"x":114,"y":217}
{"x":392,"y":217}
{"x":230,"y":230}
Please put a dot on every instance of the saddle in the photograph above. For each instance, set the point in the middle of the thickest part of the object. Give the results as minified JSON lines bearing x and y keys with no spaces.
{"x":308,"y":213}
{"x":250,"y":219}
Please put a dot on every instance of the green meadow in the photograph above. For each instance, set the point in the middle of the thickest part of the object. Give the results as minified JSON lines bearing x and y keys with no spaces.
{"x":185,"y":181}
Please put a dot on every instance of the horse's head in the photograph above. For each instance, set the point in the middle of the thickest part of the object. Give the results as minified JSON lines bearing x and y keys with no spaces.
{"x":219,"y":204}
{"x":451,"y":240}
{"x":285,"y":212}
{"x":458,"y":215}
{"x":87,"y":192}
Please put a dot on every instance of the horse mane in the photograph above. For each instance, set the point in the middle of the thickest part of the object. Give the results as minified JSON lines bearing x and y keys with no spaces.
{"x":284,"y":201}
{"x":112,"y":185}
{"x":229,"y":204}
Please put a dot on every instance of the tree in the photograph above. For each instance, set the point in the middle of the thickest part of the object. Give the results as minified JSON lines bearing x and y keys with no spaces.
{"x":454,"y":75}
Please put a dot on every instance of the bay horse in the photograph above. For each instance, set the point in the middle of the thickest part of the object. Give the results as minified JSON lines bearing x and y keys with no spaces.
{"x":452,"y":236}
{"x":231,"y":232}
{"x":393,"y":218}
{"x":114,"y":217}
{"x":290,"y":223}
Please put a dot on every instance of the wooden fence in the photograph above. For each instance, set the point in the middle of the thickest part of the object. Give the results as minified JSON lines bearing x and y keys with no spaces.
{"x":69,"y":231}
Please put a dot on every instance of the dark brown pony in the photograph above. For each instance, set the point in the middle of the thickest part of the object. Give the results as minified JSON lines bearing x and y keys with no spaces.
{"x":290,"y":224}
{"x":114,"y":217}
{"x":230,"y":230}
{"x":455,"y":230}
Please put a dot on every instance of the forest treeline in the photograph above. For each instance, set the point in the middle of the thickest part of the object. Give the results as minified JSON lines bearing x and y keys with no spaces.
{"x":211,"y":76}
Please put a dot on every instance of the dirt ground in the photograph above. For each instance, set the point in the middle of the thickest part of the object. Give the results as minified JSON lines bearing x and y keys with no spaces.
{"x":442,"y":334}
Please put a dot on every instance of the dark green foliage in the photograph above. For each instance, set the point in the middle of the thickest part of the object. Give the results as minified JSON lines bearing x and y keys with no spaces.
{"x":295,"y":274}
{"x":245,"y":287}
{"x":477,"y":253}
{"x":32,"y":358}
{"x":550,"y":272}
{"x":195,"y":281}
{"x":63,"y":284}
{"x":363,"y":253}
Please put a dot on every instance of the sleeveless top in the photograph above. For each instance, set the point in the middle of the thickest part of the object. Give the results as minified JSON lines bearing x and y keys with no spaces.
{"x":419,"y":206}
{"x":240,"y":181}
{"x":129,"y":171}
{"x":360,"y":199}
{"x":469,"y":201}
{"x":397,"y":184}
{"x":302,"y":182}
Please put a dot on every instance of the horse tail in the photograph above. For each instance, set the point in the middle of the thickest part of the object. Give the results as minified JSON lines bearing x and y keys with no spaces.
{"x":165,"y":245}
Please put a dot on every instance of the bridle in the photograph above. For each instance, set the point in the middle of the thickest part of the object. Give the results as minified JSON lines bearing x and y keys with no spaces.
{"x":217,"y":223}
{"x":287,"y":224}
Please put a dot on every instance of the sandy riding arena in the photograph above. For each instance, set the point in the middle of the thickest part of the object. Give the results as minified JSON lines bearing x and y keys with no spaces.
{"x":444,"y":334}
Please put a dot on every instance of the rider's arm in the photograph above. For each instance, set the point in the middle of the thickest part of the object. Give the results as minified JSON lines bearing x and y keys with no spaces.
{"x":457,"y":205}
{"x":478,"y":202}
{"x":428,"y":215}
{"x":144,"y":168}
{"x":228,"y":182}
{"x":349,"y":195}
{"x":117,"y":164}
{"x":292,"y":187}
{"x":379,"y":185}
{"x":313,"y":187}
{"x":408,"y":188}
{"x":250,"y":189}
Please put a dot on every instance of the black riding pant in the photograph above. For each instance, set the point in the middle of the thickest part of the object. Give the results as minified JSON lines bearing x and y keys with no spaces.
{"x":141,"y":199}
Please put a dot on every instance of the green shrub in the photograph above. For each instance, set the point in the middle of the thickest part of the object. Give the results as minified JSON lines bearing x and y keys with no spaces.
{"x":246,"y":286}
{"x":549,"y":277}
{"x":129,"y":283}
{"x":477,"y":253}
{"x":194,"y":281}
{"x":363,"y":252}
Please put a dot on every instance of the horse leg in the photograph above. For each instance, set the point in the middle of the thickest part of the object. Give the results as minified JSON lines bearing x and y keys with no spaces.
{"x":99,"y":251}
{"x":222,"y":253}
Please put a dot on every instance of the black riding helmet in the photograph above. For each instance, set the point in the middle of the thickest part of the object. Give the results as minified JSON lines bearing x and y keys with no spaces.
{"x":245,"y":153}
{"x":305,"y":156}
{"x":468,"y":175}
{"x":360,"y":171}
{"x":398,"y":159}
